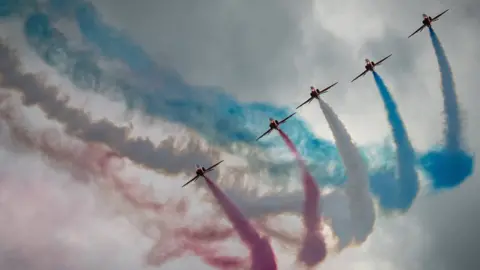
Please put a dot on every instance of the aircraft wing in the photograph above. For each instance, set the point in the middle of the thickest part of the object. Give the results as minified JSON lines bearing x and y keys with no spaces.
{"x":286,"y":118}
{"x":438,"y":16}
{"x":325,"y":90}
{"x":308,"y":100}
{"x":379,"y":62}
{"x":213,"y":166}
{"x":363,"y":73}
{"x":418,"y":30}
{"x":193,"y":179}
{"x":266,"y":132}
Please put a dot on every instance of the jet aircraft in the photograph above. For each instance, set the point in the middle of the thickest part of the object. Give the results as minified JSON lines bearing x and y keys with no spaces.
{"x":315,"y":93}
{"x":201,"y":171}
{"x":370,"y":66}
{"x":427,"y":22}
{"x":274,"y":124}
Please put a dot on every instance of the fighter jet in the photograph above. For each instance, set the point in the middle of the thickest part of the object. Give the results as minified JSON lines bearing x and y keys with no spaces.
{"x":315,"y":93}
{"x":200,"y":171}
{"x":427,"y":22}
{"x":274,"y":124}
{"x":370,"y":66}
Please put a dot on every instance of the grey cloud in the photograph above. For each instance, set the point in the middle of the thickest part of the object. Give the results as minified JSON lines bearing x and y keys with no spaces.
{"x":452,"y":220}
{"x":440,"y":232}
{"x":257,"y":50}
{"x":247,"y":47}
{"x":402,"y":63}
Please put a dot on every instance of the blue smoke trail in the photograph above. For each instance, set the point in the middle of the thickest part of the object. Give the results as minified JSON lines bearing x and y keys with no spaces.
{"x":220,"y":118}
{"x":453,"y":129}
{"x":449,"y":165}
{"x":217,"y":116}
{"x":396,"y":193}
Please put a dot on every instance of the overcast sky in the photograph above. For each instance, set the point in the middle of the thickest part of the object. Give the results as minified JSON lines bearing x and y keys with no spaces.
{"x":275,"y":50}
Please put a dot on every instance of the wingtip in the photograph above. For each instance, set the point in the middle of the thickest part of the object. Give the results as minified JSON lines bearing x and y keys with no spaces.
{"x":332,"y":85}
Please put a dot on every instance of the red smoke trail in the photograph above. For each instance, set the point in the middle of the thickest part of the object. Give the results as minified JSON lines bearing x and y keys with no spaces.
{"x":183,"y":239}
{"x":165,"y":251}
{"x":211,"y":257}
{"x":261,"y":252}
{"x":94,"y":162}
{"x":198,"y":241}
{"x":314,"y":249}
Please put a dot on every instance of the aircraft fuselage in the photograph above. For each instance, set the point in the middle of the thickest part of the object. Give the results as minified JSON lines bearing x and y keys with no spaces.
{"x":314,"y":93}
{"x":427,"y":21}
{"x":370,"y":66}
{"x":274,"y":124}
{"x":200,"y":171}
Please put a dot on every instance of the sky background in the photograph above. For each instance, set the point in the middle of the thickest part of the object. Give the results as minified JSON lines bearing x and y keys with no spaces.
{"x":270,"y":51}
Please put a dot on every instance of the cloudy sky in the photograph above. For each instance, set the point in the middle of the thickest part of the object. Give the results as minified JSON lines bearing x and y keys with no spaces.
{"x":273,"y":50}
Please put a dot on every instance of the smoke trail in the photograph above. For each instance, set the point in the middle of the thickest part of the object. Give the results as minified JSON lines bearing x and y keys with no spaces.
{"x":260,"y":207}
{"x":85,"y":161}
{"x":314,"y":249}
{"x":260,"y":250}
{"x":362,"y":212}
{"x":77,"y":123}
{"x":95,"y":163}
{"x":453,"y":127}
{"x":450,"y":165}
{"x":216,"y":115}
{"x":142,"y":151}
{"x":219,"y":117}
{"x":396,"y":193}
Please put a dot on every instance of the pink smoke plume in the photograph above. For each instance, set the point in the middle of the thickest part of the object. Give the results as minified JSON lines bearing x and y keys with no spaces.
{"x":313,"y":249}
{"x":89,"y":162}
{"x":261,"y":252}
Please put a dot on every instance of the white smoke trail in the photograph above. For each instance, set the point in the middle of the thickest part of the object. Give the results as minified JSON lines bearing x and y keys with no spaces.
{"x":362,"y":212}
